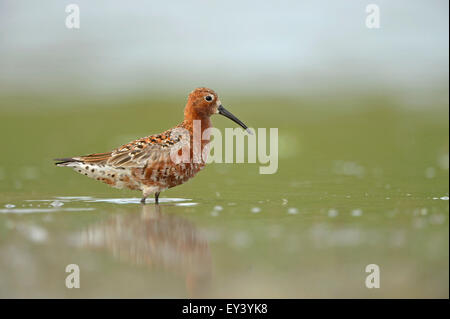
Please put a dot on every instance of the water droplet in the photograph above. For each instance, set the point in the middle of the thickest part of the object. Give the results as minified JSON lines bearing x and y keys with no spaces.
{"x":56,"y":203}
{"x":356,"y":212}
{"x":333,"y":212}
{"x":255,"y":210}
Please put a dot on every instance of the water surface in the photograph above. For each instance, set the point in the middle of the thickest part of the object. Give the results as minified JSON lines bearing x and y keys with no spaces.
{"x":355,"y":186}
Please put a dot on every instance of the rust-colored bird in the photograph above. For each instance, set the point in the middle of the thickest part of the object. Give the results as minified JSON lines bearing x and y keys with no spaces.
{"x":147,"y":164}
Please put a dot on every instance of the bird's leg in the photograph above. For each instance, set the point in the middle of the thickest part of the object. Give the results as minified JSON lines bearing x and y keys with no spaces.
{"x":147,"y":191}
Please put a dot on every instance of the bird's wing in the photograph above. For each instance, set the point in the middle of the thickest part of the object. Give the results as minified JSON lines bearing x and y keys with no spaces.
{"x":97,"y":158}
{"x":153,"y":149}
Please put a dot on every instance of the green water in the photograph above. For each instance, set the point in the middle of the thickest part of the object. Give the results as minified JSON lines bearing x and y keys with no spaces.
{"x":360,"y":181}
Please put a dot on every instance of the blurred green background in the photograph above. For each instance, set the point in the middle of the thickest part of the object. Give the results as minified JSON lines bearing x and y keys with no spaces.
{"x":363,"y":150}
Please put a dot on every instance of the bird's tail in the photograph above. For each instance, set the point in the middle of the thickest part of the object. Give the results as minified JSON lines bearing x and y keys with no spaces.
{"x":95,"y":159}
{"x":67,"y":161}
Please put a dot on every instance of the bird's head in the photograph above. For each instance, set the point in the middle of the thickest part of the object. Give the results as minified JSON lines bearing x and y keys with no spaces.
{"x":204,"y":102}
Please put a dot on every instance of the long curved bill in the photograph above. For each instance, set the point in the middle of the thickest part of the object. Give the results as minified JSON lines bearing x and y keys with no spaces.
{"x":228,"y":114}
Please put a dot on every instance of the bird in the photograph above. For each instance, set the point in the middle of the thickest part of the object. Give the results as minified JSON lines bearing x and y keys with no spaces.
{"x":155,"y":163}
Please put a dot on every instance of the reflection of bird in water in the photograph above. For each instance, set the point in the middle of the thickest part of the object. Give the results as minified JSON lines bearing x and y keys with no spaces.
{"x":157,"y":240}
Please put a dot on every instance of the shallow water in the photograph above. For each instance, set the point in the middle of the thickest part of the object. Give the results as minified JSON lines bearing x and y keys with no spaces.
{"x":353,"y":188}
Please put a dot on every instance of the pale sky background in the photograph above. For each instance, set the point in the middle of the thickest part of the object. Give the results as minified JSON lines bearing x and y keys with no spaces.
{"x":280,"y":47}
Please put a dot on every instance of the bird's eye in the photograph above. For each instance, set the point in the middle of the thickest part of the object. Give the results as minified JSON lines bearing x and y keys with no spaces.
{"x":208,"y":98}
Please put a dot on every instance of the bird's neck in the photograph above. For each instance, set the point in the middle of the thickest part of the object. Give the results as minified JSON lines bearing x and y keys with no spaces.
{"x":199,"y":136}
{"x":197,"y":122}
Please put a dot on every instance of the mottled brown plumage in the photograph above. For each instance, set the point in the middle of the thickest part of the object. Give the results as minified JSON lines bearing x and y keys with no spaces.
{"x":147,"y":164}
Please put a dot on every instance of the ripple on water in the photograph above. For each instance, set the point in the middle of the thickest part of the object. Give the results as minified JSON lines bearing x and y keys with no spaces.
{"x":441,"y":198}
{"x":87,"y":199}
{"x":121,"y":201}
{"x":186,"y":204}
{"x":42,"y":210}
{"x":56,"y":204}
{"x":74,"y":198}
